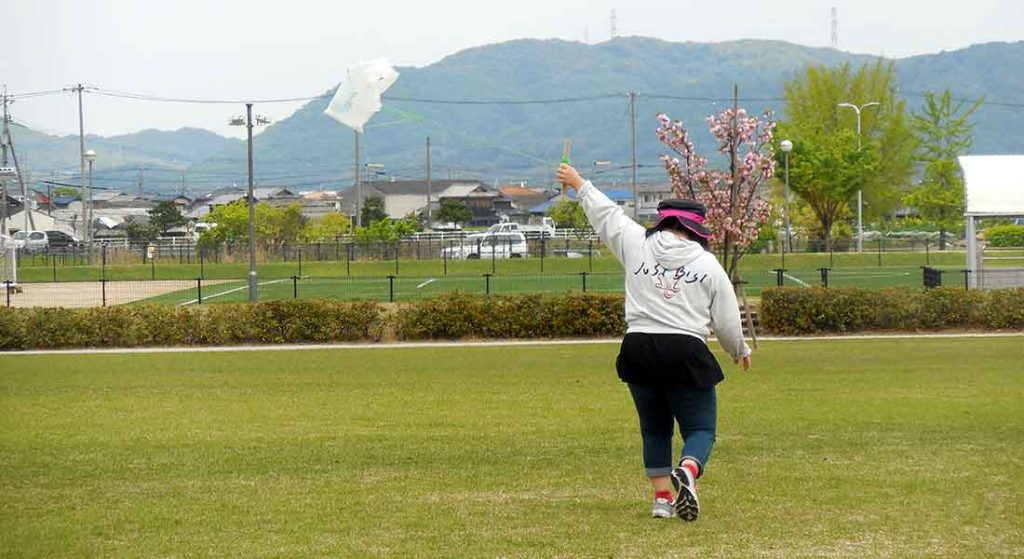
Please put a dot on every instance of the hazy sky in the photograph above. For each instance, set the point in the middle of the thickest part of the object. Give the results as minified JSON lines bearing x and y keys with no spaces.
{"x":238,"y":49}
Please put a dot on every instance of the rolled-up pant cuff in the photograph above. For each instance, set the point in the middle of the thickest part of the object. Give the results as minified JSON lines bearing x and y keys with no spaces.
{"x":700,"y":465}
{"x":658,"y":472}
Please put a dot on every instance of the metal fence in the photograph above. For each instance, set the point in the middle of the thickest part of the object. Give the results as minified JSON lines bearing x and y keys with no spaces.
{"x":419,"y":247}
{"x":395,"y":288}
{"x":391,"y":288}
{"x":422,"y":246}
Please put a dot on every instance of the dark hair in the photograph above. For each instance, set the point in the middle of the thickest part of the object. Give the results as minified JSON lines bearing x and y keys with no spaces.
{"x":672,"y":223}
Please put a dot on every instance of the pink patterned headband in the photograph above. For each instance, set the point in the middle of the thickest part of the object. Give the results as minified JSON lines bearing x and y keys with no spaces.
{"x":681,"y":213}
{"x":672,"y":212}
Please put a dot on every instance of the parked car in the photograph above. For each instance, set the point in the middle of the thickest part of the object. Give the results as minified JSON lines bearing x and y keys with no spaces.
{"x":507,"y":244}
{"x":19,"y":239}
{"x":39,"y":241}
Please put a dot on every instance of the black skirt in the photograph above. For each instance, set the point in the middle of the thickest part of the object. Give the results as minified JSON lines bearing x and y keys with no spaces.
{"x":667,"y":360}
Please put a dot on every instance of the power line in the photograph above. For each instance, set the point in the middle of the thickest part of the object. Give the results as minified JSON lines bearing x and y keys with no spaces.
{"x":29,"y":94}
{"x":504,"y":101}
{"x":146,"y":97}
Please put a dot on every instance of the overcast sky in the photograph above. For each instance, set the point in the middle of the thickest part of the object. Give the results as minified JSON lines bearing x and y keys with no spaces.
{"x":238,"y":49}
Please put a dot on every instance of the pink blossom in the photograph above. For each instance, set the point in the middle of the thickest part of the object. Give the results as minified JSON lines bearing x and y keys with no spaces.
{"x":734,"y":216}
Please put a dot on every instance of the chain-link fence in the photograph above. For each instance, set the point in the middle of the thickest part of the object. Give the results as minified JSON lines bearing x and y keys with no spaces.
{"x":389,"y":288}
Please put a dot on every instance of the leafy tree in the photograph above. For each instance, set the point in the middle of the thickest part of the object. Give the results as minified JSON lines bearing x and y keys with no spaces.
{"x":373,"y":211}
{"x":138,"y":231}
{"x":385,"y":230}
{"x":825,"y":134}
{"x":274,"y":225}
{"x":569,"y":213}
{"x":327,"y":227}
{"x":736,"y":209}
{"x":945,"y":133}
{"x":164,"y":216}
{"x":826,"y":174}
{"x":454,"y":210}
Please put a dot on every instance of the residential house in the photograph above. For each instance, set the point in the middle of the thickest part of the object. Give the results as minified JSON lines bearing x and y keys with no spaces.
{"x":319,"y":203}
{"x":200,"y":207}
{"x":523,"y":199}
{"x":649,"y":195}
{"x":402,"y":197}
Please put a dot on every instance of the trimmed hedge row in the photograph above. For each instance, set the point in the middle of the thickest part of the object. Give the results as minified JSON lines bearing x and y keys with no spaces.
{"x":517,"y":316}
{"x":271,"y":322}
{"x":795,"y":311}
{"x":312,"y":321}
{"x":788,"y":311}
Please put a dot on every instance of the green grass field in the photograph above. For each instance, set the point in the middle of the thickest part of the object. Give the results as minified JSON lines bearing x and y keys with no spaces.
{"x":828,"y":448}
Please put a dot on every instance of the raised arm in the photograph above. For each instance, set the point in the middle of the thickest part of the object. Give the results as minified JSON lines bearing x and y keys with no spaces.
{"x":606,"y":217}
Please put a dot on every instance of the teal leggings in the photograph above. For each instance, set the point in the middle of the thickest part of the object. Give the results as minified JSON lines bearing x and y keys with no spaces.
{"x":659,"y":409}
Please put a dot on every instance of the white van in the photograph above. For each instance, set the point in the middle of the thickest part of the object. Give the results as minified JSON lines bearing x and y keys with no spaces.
{"x":506,"y":244}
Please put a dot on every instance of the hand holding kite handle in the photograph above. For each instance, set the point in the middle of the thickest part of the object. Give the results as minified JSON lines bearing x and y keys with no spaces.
{"x":569,"y":177}
{"x":566,"y":174}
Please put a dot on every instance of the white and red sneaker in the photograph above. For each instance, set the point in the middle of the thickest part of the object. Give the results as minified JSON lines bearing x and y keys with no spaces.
{"x":686,"y":506}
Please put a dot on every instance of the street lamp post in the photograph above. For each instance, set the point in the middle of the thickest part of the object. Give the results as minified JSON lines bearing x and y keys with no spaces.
{"x":787,"y":146}
{"x":90,"y":156}
{"x":860,"y":193}
{"x":251,"y":200}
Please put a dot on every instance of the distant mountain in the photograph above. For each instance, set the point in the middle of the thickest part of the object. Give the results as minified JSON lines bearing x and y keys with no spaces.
{"x":586,"y":88}
{"x":574,"y":90}
{"x":162,"y":156}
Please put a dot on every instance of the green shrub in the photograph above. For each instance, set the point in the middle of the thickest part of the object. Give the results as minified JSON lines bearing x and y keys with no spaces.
{"x":786,"y":310}
{"x":459,"y":315}
{"x":271,"y":322}
{"x":1005,"y":235}
{"x":796,"y":311}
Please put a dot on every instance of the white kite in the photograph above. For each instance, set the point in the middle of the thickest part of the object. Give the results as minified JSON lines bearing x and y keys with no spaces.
{"x":358,"y":97}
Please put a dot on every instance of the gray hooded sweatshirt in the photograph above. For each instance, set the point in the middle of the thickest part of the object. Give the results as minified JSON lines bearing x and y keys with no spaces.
{"x":673,"y":285}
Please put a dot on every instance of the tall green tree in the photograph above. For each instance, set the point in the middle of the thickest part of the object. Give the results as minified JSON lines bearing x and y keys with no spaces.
{"x":166,"y":215}
{"x":825,"y":134}
{"x":454,"y":211}
{"x":328,"y":227}
{"x":274,"y":225}
{"x":944,"y":128}
{"x":827,"y":173}
{"x":373,"y":211}
{"x":569,"y":213}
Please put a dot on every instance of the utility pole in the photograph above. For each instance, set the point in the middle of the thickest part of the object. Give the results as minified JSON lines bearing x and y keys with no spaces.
{"x":252,"y":206}
{"x":429,"y":185}
{"x":734,"y":187}
{"x":49,"y":193}
{"x":30,"y":222}
{"x":8,"y":141}
{"x":81,"y":161}
{"x":359,"y":186}
{"x":3,"y":183}
{"x":632,"y":133}
{"x":142,"y":179}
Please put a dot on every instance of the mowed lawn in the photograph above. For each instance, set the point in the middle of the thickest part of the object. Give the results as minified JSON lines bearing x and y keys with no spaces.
{"x":828,"y":448}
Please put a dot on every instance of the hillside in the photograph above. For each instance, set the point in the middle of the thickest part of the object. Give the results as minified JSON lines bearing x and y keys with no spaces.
{"x":511,"y":142}
{"x":576,"y":90}
{"x":164,"y":155}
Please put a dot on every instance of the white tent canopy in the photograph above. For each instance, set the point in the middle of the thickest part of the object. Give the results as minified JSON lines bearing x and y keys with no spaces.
{"x":993,"y":187}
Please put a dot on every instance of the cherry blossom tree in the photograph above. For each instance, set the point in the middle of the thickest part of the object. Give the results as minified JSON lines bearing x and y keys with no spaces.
{"x":736,"y":207}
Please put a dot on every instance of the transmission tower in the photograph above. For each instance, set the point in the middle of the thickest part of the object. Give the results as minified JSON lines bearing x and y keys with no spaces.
{"x":615,"y":24}
{"x":835,"y":29}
